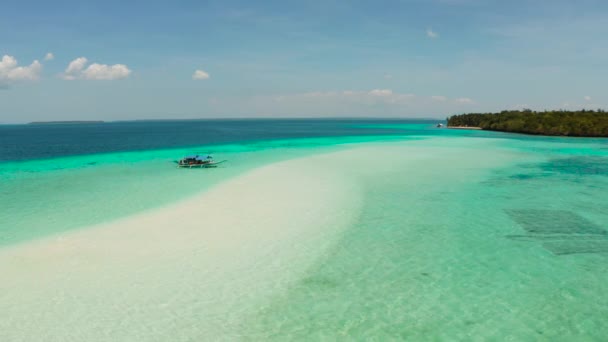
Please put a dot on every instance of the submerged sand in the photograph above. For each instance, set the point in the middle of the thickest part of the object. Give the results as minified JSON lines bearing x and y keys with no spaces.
{"x":183,"y":272}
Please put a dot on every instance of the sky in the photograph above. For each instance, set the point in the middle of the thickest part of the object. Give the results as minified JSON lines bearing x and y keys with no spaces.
{"x":125,"y":60}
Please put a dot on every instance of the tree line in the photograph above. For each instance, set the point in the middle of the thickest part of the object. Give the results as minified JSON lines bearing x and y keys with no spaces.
{"x":582,"y":123}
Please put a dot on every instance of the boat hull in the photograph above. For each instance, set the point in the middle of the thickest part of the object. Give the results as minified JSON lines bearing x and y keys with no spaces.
{"x":199,"y":166}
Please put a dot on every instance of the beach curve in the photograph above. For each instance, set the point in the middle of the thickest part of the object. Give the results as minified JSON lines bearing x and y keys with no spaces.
{"x":182,"y":271}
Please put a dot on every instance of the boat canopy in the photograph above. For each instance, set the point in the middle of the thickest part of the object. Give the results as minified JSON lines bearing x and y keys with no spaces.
{"x":197,"y":157}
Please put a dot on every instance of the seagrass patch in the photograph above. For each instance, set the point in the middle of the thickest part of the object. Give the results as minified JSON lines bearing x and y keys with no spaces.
{"x":542,"y":221}
{"x":561,"y":232}
{"x":580,"y":165}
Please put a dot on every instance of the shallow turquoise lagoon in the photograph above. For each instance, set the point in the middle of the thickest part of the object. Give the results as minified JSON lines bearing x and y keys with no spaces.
{"x":47,"y":196}
{"x":508,"y":242}
{"x":460,"y":235}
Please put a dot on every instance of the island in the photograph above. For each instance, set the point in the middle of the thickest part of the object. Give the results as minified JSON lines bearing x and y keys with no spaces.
{"x":582,"y":123}
{"x":76,"y":122}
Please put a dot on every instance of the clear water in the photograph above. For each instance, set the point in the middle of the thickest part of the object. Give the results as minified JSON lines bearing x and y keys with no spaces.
{"x":458,"y":235}
{"x":484,"y":245}
{"x":112,"y":170}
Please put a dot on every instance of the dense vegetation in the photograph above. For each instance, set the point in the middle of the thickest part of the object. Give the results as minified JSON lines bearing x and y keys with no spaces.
{"x":583,"y":123}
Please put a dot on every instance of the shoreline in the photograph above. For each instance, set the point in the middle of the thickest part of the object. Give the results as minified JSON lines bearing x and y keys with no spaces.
{"x":529,"y":133}
{"x":465,"y":127}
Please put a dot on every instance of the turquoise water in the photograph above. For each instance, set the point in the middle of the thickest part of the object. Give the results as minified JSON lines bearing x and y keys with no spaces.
{"x":459,"y":235}
{"x":49,"y":196}
{"x":471,"y":251}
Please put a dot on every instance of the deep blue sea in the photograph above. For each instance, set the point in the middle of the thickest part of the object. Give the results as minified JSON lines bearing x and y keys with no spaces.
{"x":36,"y":141}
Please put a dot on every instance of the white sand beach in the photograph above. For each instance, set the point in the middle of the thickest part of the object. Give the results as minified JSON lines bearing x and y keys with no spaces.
{"x":187,"y":270}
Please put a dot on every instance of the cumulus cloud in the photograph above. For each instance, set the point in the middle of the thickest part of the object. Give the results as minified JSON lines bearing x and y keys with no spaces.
{"x":77,"y":69}
{"x":439,"y":98}
{"x":587,"y":98}
{"x":432,"y":34}
{"x":200,"y":75}
{"x":97,"y":71}
{"x":49,"y":56}
{"x":10,"y":71}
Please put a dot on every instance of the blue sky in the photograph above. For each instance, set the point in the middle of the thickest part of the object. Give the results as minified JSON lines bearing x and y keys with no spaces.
{"x":408,"y":58}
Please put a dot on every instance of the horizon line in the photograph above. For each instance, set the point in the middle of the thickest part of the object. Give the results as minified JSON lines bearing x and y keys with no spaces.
{"x":222,"y":118}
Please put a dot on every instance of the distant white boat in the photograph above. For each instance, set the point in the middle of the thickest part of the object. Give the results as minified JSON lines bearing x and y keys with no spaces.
{"x":439,"y":125}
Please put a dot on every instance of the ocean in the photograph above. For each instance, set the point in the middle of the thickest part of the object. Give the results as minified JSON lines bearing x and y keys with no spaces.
{"x":356,"y":230}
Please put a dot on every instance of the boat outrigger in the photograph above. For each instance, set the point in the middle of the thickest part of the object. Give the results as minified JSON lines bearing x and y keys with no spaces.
{"x":196,"y":161}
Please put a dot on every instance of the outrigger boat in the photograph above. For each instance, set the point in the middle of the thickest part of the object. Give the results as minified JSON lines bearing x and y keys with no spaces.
{"x":196,"y":161}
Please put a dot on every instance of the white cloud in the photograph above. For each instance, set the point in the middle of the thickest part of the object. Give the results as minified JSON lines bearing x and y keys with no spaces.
{"x":76,"y":66}
{"x":97,"y":71}
{"x":587,"y":98}
{"x":49,"y":56}
{"x":432,"y":34}
{"x":439,"y":98}
{"x":76,"y":70}
{"x":11,"y":72}
{"x":200,"y":75}
{"x":464,"y":100}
